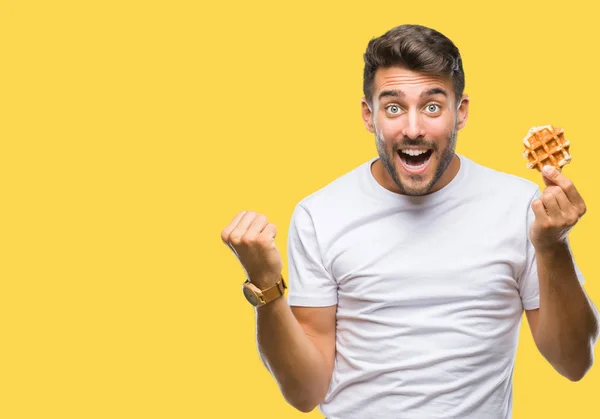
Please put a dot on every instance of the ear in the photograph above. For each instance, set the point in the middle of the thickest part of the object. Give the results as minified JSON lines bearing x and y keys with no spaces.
{"x":463,"y":112}
{"x":367,"y":115}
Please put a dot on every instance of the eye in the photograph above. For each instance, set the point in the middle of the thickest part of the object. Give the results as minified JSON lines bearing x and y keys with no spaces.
{"x":393,"y":109}
{"x":432,"y":108}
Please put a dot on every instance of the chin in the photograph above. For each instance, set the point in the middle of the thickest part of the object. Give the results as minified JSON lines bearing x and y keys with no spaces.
{"x":412,"y":188}
{"x":416,"y":181}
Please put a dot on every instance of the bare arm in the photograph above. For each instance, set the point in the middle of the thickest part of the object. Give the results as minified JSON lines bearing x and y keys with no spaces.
{"x":297,"y":345}
{"x":565,"y":327}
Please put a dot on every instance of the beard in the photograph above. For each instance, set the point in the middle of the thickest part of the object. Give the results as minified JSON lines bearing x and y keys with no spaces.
{"x":416,"y":188}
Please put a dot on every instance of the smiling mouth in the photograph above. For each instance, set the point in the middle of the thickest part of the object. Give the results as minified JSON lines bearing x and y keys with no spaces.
{"x":415,"y":159}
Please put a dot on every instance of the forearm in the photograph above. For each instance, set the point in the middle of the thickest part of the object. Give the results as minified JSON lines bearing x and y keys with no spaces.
{"x":568,"y":326}
{"x":291,"y":357}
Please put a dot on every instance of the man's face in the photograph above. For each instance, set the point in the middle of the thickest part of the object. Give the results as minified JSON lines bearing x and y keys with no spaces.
{"x":415,"y":119}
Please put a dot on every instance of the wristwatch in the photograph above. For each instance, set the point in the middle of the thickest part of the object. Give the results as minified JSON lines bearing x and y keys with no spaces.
{"x":258,"y":297}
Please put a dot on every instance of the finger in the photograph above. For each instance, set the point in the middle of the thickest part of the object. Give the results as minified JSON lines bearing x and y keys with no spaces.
{"x":551,"y":205}
{"x":546,"y":179}
{"x":539,"y":210}
{"x":565,"y":205}
{"x":569,"y":211}
{"x":556,"y":177}
{"x":257,"y":225}
{"x":233,"y":224}
{"x":269,"y":231}
{"x":239,"y":231}
{"x":561,"y":198}
{"x":233,"y":250}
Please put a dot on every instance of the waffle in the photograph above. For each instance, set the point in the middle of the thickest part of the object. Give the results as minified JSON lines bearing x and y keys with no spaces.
{"x":546,"y":145}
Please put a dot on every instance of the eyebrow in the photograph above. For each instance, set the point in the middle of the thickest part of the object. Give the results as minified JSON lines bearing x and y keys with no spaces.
{"x":401,"y":94}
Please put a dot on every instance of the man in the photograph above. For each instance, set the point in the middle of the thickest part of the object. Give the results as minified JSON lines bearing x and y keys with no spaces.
{"x":409,"y":275}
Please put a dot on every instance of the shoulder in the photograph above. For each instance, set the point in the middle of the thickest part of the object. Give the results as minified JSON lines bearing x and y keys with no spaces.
{"x":492,"y":182}
{"x":337,"y":193}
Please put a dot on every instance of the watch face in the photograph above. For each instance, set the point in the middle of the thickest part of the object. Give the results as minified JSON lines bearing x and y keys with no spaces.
{"x":250,"y":296}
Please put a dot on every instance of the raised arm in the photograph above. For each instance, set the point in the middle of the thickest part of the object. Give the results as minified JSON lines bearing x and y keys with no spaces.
{"x":296,"y":345}
{"x":565,"y":327}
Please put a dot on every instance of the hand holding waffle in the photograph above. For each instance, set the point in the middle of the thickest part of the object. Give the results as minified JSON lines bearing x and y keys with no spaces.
{"x":560,"y":206}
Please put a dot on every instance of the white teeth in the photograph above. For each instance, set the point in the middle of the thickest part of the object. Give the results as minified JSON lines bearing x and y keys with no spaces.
{"x":414,"y":152}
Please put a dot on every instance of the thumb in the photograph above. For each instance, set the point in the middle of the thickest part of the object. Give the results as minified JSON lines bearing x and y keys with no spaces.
{"x":549,"y":173}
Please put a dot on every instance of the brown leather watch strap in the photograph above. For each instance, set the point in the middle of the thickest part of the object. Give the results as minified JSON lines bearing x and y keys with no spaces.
{"x":275,"y":291}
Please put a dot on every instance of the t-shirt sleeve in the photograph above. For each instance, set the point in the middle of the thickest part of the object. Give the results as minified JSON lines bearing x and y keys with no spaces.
{"x":310,"y":284}
{"x":528,"y":282}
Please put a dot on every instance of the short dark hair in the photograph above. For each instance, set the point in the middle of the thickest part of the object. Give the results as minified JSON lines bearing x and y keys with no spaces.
{"x":416,"y":48}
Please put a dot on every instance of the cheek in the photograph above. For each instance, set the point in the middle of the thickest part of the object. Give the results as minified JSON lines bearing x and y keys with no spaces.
{"x":390,"y":129}
{"x":438,"y":127}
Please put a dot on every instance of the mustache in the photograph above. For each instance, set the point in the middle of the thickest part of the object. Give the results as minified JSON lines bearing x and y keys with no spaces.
{"x":416,"y":142}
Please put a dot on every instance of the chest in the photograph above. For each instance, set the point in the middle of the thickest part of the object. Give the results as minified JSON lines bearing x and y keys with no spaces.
{"x":414,"y":259}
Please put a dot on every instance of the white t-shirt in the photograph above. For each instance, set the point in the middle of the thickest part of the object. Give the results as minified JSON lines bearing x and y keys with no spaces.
{"x":430,"y":291}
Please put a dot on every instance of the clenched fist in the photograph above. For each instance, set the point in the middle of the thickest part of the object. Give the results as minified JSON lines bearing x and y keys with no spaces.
{"x":556,"y":211}
{"x":252,"y":239}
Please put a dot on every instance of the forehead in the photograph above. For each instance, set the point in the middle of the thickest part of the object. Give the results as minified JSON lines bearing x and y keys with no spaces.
{"x":398,"y":78}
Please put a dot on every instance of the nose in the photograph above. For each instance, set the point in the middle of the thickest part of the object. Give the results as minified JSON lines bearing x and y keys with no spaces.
{"x":414,"y":127}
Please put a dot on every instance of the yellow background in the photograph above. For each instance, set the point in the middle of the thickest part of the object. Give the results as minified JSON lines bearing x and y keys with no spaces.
{"x":132,"y":132}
